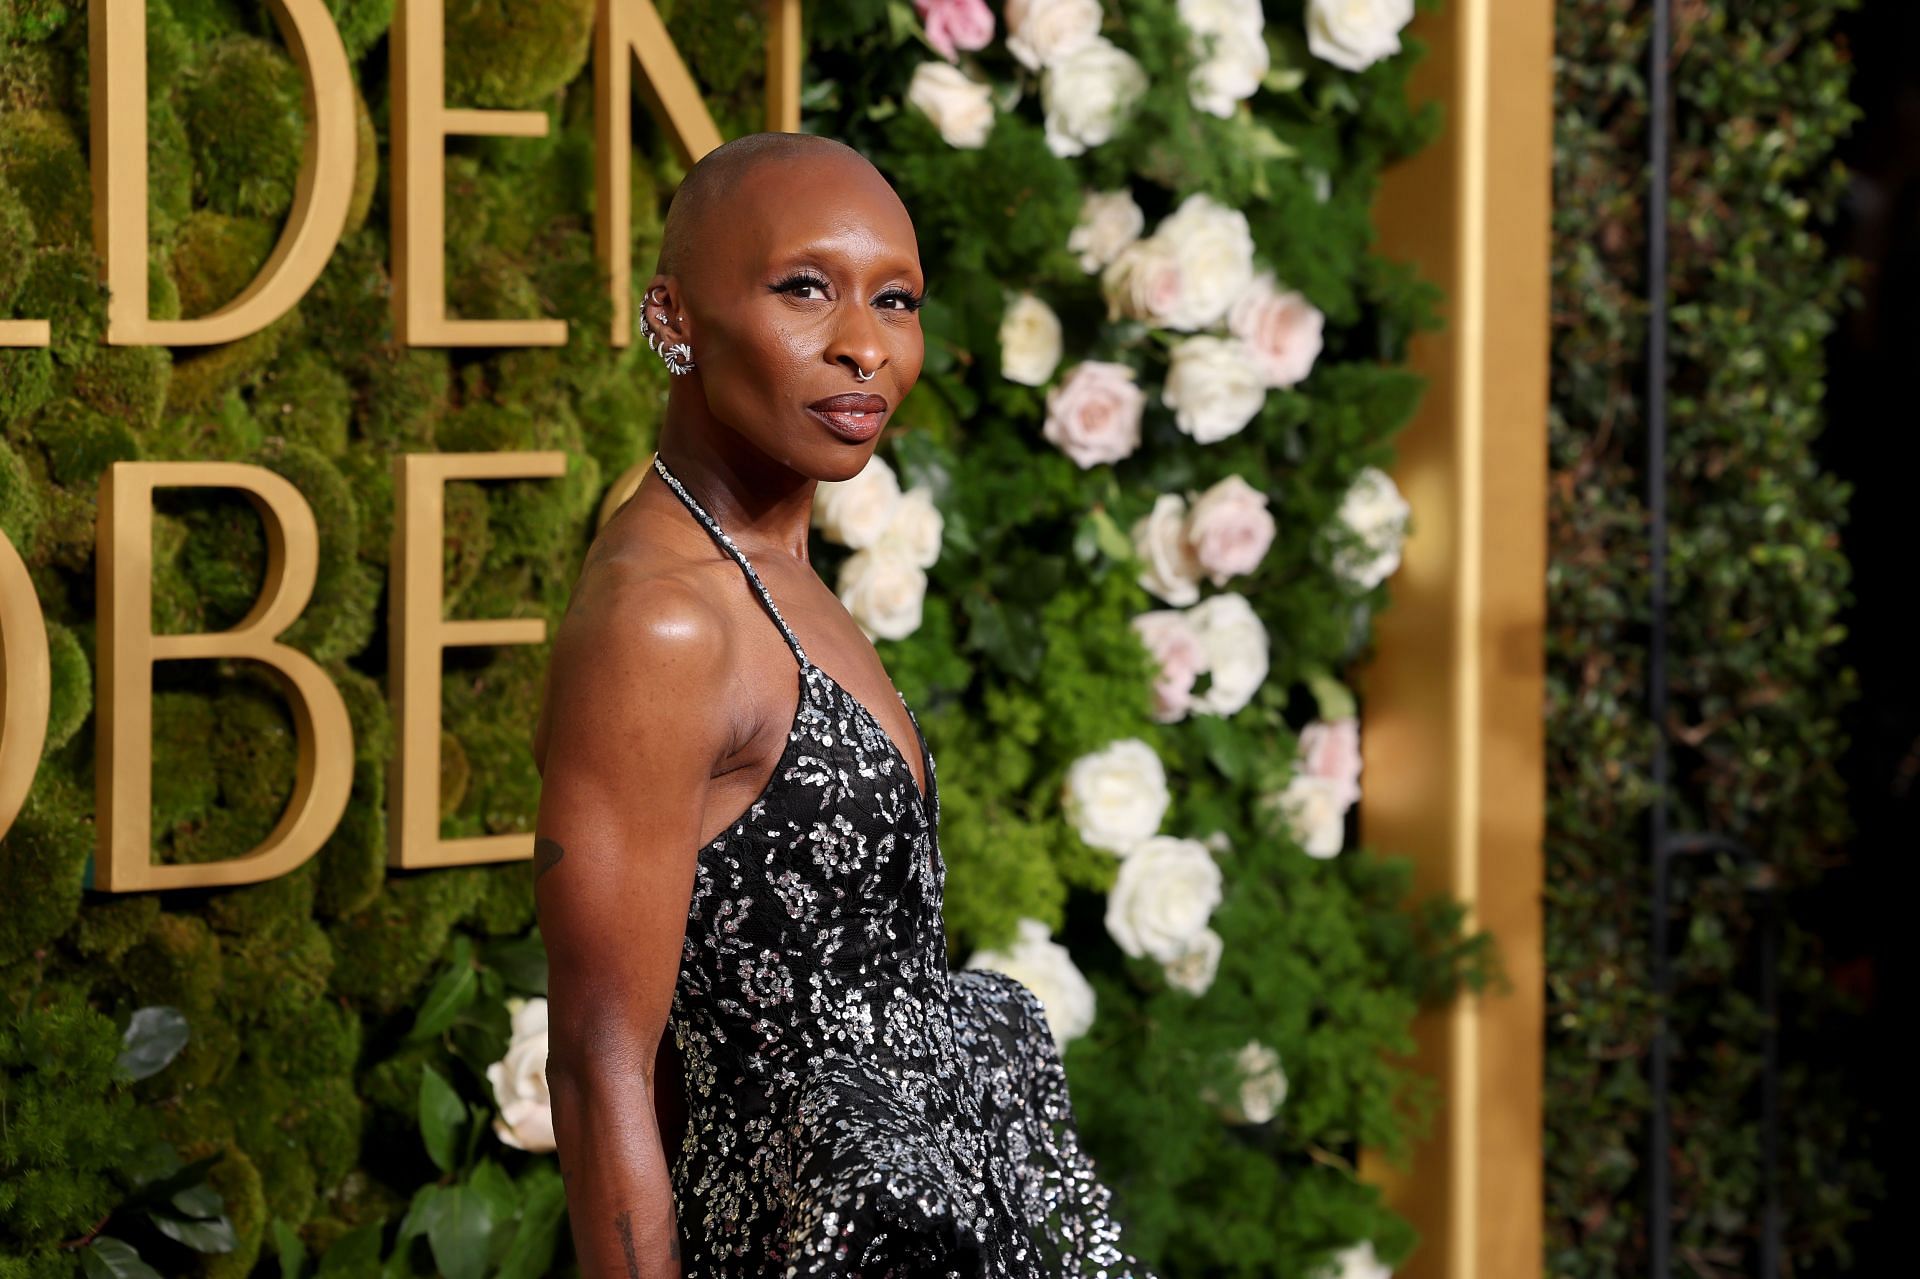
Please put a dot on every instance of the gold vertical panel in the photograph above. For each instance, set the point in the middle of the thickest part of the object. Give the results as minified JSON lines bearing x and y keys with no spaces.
{"x":128,"y":649}
{"x":784,"y":49}
{"x":418,"y":632}
{"x":117,"y":38}
{"x":1454,"y":738}
{"x":626,"y":33}
{"x":421,"y":124}
{"x":26,"y":683}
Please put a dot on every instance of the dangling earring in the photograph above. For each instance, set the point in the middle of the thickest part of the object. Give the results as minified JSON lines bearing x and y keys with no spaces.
{"x":678,"y":356}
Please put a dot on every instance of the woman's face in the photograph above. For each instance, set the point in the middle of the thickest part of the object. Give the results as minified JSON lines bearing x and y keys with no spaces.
{"x":811,"y":277}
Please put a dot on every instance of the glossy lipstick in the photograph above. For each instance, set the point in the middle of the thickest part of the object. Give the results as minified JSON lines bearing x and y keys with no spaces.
{"x":853,"y":416}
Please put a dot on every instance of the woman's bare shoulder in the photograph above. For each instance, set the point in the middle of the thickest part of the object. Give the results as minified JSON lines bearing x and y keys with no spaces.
{"x":643,"y":635}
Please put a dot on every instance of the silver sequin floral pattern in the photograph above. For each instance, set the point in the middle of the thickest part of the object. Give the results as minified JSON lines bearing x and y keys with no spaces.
{"x":855,"y":1107}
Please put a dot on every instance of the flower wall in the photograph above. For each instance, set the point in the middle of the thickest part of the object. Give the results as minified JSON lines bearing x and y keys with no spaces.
{"x":1127,"y":538}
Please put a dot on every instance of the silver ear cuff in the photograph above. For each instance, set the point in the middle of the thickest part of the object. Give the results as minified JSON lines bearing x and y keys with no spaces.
{"x":678,"y":356}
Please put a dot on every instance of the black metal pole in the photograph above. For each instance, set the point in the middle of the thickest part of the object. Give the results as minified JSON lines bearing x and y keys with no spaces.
{"x":1659,"y":106}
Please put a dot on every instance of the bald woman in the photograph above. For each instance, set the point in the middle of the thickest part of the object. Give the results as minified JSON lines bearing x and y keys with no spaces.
{"x":760,"y":1062}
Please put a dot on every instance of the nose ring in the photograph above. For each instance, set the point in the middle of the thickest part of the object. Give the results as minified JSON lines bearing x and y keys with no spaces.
{"x":863,"y":375}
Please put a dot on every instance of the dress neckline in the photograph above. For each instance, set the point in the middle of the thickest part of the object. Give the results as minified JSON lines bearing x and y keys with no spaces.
{"x":923,"y":797}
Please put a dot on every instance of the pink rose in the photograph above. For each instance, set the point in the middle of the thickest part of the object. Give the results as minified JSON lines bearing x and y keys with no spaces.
{"x":1176,"y":646}
{"x":1330,"y":751}
{"x":1230,"y":529}
{"x":953,"y":25}
{"x":1284,"y":330}
{"x":1093,"y":414}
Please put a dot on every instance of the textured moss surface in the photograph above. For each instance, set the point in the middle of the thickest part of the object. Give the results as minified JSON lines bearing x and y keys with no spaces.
{"x":296,"y":992}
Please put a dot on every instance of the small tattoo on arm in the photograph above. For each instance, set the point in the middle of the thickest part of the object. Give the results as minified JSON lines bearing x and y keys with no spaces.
{"x":546,"y":855}
{"x":624,"y":1224}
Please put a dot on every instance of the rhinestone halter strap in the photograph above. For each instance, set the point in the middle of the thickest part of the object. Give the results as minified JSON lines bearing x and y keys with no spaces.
{"x":720,"y":535}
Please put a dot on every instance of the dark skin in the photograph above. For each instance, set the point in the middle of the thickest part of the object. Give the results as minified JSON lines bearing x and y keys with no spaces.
{"x":670,"y":691}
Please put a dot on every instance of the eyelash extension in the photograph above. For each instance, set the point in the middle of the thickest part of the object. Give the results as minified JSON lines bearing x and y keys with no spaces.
{"x":913,"y":301}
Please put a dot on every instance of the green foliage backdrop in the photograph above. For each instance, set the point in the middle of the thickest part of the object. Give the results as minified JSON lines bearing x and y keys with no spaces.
{"x":1757,"y":580}
{"x":327,"y":1097}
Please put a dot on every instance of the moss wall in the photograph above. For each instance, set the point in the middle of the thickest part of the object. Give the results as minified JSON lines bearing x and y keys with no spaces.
{"x":298,"y":993}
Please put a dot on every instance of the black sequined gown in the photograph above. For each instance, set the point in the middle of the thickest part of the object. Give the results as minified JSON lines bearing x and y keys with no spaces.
{"x":854,"y":1107}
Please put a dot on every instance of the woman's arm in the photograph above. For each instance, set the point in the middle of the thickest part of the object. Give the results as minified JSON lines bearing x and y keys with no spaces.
{"x":629,"y":735}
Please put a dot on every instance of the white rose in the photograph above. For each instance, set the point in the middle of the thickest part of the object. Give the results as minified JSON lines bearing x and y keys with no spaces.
{"x":1284,"y":331}
{"x":884,"y":590}
{"x":855,"y":511}
{"x":1163,"y":896}
{"x":1029,"y":341}
{"x":1315,"y":810}
{"x":1230,"y":529}
{"x":1355,"y":34}
{"x":1143,"y":282}
{"x":1109,"y":222}
{"x":1376,"y":515}
{"x":1181,"y":657}
{"x":1237,"y":652}
{"x":961,"y":108}
{"x":1263,"y":1085}
{"x":1087,"y":94}
{"x":1042,"y":32}
{"x":1044,"y":967}
{"x":1229,"y":37}
{"x":1093,"y":415}
{"x":1215,"y":248}
{"x":1116,"y":796}
{"x":1193,"y":970}
{"x":519,"y":1080}
{"x":1356,"y":1262}
{"x":1213,"y":387}
{"x":915,"y":530}
{"x":1160,"y":539}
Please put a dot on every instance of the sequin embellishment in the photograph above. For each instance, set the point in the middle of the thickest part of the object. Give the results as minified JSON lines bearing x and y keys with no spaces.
{"x":855,"y":1107}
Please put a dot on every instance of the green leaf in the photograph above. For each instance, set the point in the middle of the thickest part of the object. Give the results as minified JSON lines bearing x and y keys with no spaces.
{"x":1335,"y":699}
{"x":442,"y":1115}
{"x":292,"y":1253}
{"x":168,"y":1176}
{"x":521,"y":963}
{"x":902,"y":22}
{"x":1114,"y":542}
{"x":450,"y":995}
{"x":419,"y":1212}
{"x":199,"y":1233}
{"x":458,"y":1233}
{"x":531,"y":1254}
{"x":153,"y":1038}
{"x":200,"y":1201}
{"x":353,"y":1253}
{"x":496,"y":1190}
{"x":1225,"y":746}
{"x":110,"y":1258}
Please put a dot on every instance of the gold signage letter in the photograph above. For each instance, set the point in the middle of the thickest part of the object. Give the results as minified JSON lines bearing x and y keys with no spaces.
{"x":422,"y":122}
{"x":117,"y":32}
{"x":128,"y":649}
{"x":418,"y":633}
{"x":26,"y":683}
{"x":629,"y":31}
{"x":25,"y":333}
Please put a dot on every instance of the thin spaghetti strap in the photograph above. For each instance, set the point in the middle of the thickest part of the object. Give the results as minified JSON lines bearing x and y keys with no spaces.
{"x":720,"y":535}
